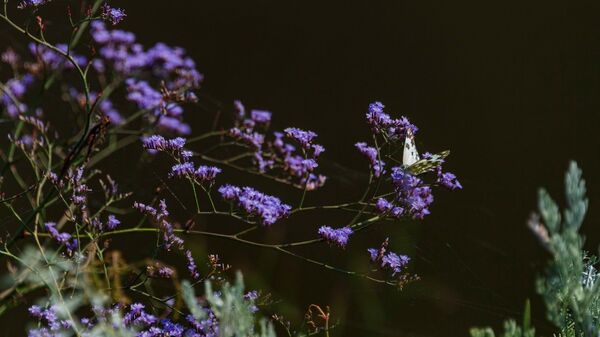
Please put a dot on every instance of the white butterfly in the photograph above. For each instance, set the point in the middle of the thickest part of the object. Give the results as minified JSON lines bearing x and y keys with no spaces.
{"x":413,"y":163}
{"x":410,"y":155}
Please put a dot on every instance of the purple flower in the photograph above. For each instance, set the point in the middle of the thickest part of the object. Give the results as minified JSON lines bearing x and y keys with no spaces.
{"x":305,"y":138}
{"x":159,"y":216}
{"x":338,"y":236}
{"x":31,"y":3}
{"x":382,"y":123}
{"x":448,"y":180}
{"x":203,"y":174}
{"x":62,"y":238}
{"x":260,"y":116}
{"x":388,"y":208}
{"x":165,"y":272}
{"x":54,"y":60}
{"x":112,"y":222}
{"x":159,"y":143}
{"x":388,"y":260}
{"x":207,"y":174}
{"x":172,"y":65}
{"x":412,"y":193}
{"x":118,"y":49}
{"x":298,"y":166}
{"x":174,"y":125}
{"x":229,"y":192}
{"x":268,"y":209}
{"x":394,"y":262}
{"x":249,"y":137}
{"x":191,"y":265}
{"x":17,"y":87}
{"x":182,"y":170}
{"x":313,"y":181}
{"x":371,"y":154}
{"x":141,"y":93}
{"x":112,"y":15}
{"x":137,"y":316}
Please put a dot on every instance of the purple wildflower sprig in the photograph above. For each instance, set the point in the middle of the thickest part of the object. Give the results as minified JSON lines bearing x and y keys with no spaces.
{"x":389,"y":128}
{"x":160,"y":217}
{"x":272,"y":155}
{"x":112,"y":14}
{"x":338,"y":236}
{"x":265,"y":208}
{"x":391,"y":262}
{"x":64,"y":238}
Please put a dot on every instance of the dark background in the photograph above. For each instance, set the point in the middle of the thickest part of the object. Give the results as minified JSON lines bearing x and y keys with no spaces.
{"x":512,"y":88}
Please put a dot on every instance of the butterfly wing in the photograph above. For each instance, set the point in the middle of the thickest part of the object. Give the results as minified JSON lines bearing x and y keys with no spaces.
{"x":429,"y":164}
{"x":410,"y":155}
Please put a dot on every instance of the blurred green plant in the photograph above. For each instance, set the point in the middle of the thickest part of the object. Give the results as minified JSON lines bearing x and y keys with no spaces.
{"x":569,"y":284}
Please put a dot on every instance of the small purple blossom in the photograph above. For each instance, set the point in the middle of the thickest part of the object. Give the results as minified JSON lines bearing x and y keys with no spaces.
{"x":338,"y":236}
{"x":260,"y":116}
{"x":448,"y":180}
{"x":16,"y":88}
{"x":229,"y":192}
{"x":305,"y":138}
{"x":112,"y":222}
{"x":159,"y":216}
{"x":373,"y":156}
{"x":207,"y":174}
{"x":394,"y":262}
{"x":31,"y":3}
{"x":137,"y":316}
{"x":268,"y":209}
{"x":191,"y":265}
{"x":388,"y":208}
{"x":248,"y":136}
{"x":112,"y":14}
{"x":412,"y":193}
{"x":63,"y":238}
{"x":182,"y":170}
{"x":173,"y":146}
{"x":382,"y":123}
{"x":388,"y":260}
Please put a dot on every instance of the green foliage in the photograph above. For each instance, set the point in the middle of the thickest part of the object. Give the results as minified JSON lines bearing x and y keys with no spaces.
{"x":232,"y":309}
{"x":569,"y":284}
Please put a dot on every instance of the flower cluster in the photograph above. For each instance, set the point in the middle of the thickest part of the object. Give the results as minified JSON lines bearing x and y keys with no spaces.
{"x":31,"y":3}
{"x":159,"y":270}
{"x":53,"y":60}
{"x":276,"y":156}
{"x":412,"y":192}
{"x":388,"y":260}
{"x":268,"y":209}
{"x":337,"y":236}
{"x":63,"y":238}
{"x":377,"y":165}
{"x":382,"y":123}
{"x":112,"y":15}
{"x":172,"y":146}
{"x":159,"y":216}
{"x":203,"y":174}
{"x":191,"y":265}
{"x":49,"y":318}
{"x":12,"y":92}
